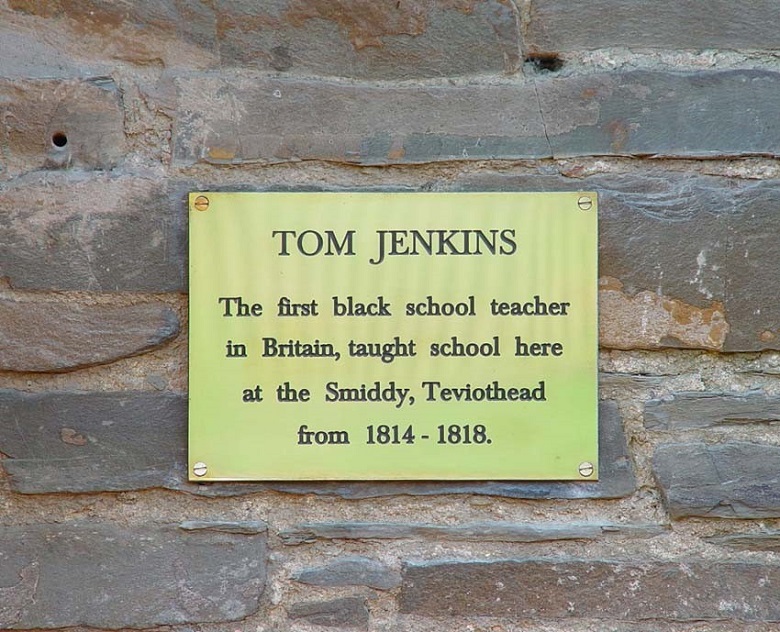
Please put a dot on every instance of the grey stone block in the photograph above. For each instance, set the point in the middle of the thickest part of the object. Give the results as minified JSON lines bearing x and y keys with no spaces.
{"x":704,"y":410}
{"x":60,"y":124}
{"x":592,"y":589}
{"x":347,"y":612}
{"x":108,"y":576}
{"x":46,"y":336}
{"x":287,"y":120}
{"x":85,"y":442}
{"x":650,"y":113}
{"x":663,"y":24}
{"x":351,"y":571}
{"x":728,"y":480}
{"x":475,"y":532}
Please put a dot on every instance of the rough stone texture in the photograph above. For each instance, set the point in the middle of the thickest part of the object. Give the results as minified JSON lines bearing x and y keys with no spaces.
{"x":769,"y":541}
{"x":33,"y":112}
{"x":79,"y":442}
{"x":351,"y":571}
{"x":108,"y":576}
{"x":383,"y":39}
{"x":76,"y":232}
{"x":728,"y":480}
{"x":145,"y":446}
{"x":478,"y":532}
{"x":703,"y":410}
{"x":542,"y":589}
{"x":223,"y":120}
{"x":234,"y":121}
{"x":348,"y":612}
{"x":699,"y":290}
{"x":48,"y":336}
{"x":243,"y":528}
{"x":664,"y":24}
{"x":25,"y":56}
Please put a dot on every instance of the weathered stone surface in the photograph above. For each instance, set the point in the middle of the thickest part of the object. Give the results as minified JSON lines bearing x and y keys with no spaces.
{"x":696,"y":290}
{"x":629,"y":380}
{"x":108,"y":576}
{"x":639,"y":113}
{"x":48,"y":336}
{"x":664,"y":24}
{"x":224,"y":120}
{"x":351,"y":571}
{"x":81,"y":232}
{"x":728,"y":480}
{"x":79,"y":442}
{"x":596,"y":589}
{"x":230,"y":120}
{"x":383,"y":39}
{"x":479,"y":532}
{"x":350,"y":612}
{"x":144,"y":446}
{"x":249,"y":527}
{"x":703,"y":410}
{"x":768,"y":541}
{"x":59,"y":124}
{"x":25,"y":55}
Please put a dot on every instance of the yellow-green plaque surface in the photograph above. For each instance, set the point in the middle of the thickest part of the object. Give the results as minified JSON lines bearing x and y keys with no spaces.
{"x":420,"y":336}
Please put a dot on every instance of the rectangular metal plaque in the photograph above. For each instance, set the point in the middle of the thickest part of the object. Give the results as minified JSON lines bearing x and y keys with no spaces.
{"x":370,"y":336}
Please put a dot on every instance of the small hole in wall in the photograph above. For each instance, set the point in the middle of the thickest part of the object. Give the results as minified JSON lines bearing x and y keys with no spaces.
{"x":59,"y":139}
{"x":545,"y":62}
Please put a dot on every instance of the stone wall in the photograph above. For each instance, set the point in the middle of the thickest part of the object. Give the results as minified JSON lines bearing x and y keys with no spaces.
{"x":112,"y":111}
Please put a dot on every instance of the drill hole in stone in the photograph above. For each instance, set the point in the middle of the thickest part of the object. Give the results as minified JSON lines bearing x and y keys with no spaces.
{"x":545,"y":62}
{"x":59,"y":139}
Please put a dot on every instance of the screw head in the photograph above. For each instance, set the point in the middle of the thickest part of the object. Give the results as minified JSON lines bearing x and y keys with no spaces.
{"x":585,"y":203}
{"x":586,"y":469}
{"x":200,"y":469}
{"x":201,"y":203}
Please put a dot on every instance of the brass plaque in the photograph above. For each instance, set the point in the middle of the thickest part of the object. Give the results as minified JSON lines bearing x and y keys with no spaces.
{"x":390,"y":336}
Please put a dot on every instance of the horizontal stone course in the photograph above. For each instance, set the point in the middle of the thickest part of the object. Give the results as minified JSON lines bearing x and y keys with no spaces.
{"x":46,"y":336}
{"x":726,"y":480}
{"x":110,"y":576}
{"x":555,"y":28}
{"x":593,"y":589}
{"x":89,"y":442}
{"x":686,"y":411}
{"x":474,"y":532}
{"x":58,"y":124}
{"x":759,"y":541}
{"x":233,"y":121}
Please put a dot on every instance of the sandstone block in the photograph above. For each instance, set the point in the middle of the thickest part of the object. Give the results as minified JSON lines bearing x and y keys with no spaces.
{"x":593,"y":589}
{"x":51,"y":337}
